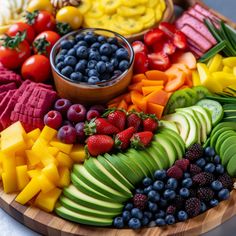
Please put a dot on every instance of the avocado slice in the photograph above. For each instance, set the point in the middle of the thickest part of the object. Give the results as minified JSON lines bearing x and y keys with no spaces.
{"x":169,"y":124}
{"x":97,"y":170}
{"x":81,"y":218}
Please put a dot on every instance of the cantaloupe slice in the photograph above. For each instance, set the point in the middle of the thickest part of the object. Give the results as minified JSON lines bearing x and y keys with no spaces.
{"x":133,"y":108}
{"x":123,"y":105}
{"x":187,"y":59}
{"x":175,"y":83}
{"x":156,"y":75}
{"x":138,"y":78}
{"x":138,"y":100}
{"x":147,"y":82}
{"x":136,"y":86}
{"x":149,"y":89}
{"x":158,"y":97}
{"x":156,"y":109}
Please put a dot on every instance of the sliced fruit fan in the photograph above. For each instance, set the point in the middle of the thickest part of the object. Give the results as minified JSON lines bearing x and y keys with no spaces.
{"x":159,"y":149}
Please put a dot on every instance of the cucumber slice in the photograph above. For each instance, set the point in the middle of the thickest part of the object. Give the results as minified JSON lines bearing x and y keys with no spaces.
{"x":215,"y":108}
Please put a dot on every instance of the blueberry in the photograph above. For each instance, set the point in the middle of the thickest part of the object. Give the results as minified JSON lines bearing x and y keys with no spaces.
{"x":122,"y":54}
{"x":82,"y":52}
{"x":85,"y":78}
{"x":101,"y":67}
{"x":112,"y":40}
{"x":152,"y":207}
{"x":158,"y":185}
{"x":217,"y":159}
{"x":147,"y":181}
{"x":160,"y":174}
{"x":71,"y":52}
{"x":63,"y":52}
{"x":145,"y":221}
{"x":105,"y":76}
{"x":147,"y":189}
{"x":60,"y":66}
{"x":70,"y":61}
{"x":163,"y":202}
{"x":109,"y":67}
{"x":92,"y":64}
{"x":223,"y":194}
{"x":59,"y":58}
{"x":101,"y":39}
{"x":82,"y":43}
{"x":93,"y":50}
{"x":214,"y":202}
{"x":216,"y":185}
{"x":220,"y":169}
{"x":139,"y":190}
{"x":182,"y":216}
{"x":67,"y":71}
{"x":210,"y":167}
{"x":153,"y":196}
{"x":79,"y":37}
{"x":81,"y":66}
{"x":201,"y":162}
{"x":93,"y":80}
{"x":210,"y":152}
{"x":126,"y":215}
{"x":187,"y":175}
{"x":187,"y":182}
{"x":114,"y":62}
{"x":170,"y":219}
{"x":66,"y":44}
{"x":171,"y":183}
{"x":105,"y":58}
{"x":129,"y":206}
{"x":94,"y":56}
{"x":77,"y":76}
{"x":114,"y":48}
{"x":160,"y":222}
{"x":148,"y":214}
{"x":90,"y":38}
{"x":134,"y":223}
{"x":118,"y":222}
{"x":105,"y":49}
{"x":96,"y":45}
{"x":203,"y":207}
{"x":169,"y":194}
{"x":124,"y":65}
{"x":184,"y":192}
{"x":160,"y":214}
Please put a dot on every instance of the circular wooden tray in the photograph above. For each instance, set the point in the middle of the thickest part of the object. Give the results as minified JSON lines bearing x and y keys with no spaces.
{"x":49,"y":224}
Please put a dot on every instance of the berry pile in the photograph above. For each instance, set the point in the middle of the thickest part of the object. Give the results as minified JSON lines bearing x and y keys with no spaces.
{"x":92,"y":58}
{"x":191,"y":186}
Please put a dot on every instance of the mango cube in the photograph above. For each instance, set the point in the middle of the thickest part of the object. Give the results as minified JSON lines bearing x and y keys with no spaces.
{"x":78,"y":154}
{"x":34,"y":134}
{"x":64,"y":174}
{"x":20,"y":160}
{"x":45,"y":183}
{"x":51,"y":172}
{"x":66,"y":148}
{"x":29,"y":143}
{"x":22,"y":176}
{"x":33,"y":173}
{"x":32,"y":157}
{"x":64,"y":160}
{"x":48,"y":133}
{"x":47,"y":201}
{"x":53,"y":151}
{"x":9,"y":186}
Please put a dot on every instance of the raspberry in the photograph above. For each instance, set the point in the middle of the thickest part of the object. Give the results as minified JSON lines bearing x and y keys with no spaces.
{"x":194,"y":169}
{"x":226,"y":181}
{"x":193,"y":206}
{"x":140,"y":200}
{"x":182,"y":164}
{"x":205,"y":194}
{"x":175,"y":172}
{"x":171,"y":210}
{"x":194,"y":152}
{"x":204,"y":178}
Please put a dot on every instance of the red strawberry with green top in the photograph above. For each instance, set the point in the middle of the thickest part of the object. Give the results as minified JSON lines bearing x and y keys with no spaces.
{"x":100,"y":126}
{"x":99,"y":144}
{"x":150,"y":123}
{"x":122,"y":139}
{"x":141,"y":140}
{"x":140,"y":63}
{"x":134,"y":120}
{"x":117,"y":118}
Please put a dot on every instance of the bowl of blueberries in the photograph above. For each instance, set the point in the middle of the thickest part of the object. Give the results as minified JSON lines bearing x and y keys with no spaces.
{"x":92,"y":65}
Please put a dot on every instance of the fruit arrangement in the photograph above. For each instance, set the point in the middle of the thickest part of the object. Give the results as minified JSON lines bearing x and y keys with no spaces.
{"x":160,"y":152}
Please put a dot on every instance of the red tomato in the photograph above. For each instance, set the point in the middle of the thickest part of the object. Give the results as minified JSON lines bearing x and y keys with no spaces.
{"x":36,"y":68}
{"x":13,"y":58}
{"x":44,"y":42}
{"x":21,"y":27}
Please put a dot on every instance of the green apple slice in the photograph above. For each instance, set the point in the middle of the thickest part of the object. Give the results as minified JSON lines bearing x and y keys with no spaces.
{"x":221,"y":138}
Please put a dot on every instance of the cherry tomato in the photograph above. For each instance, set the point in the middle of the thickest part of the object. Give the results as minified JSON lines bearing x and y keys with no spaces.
{"x":21,"y":27}
{"x":44,"y":42}
{"x":43,"y":5}
{"x":36,"y":68}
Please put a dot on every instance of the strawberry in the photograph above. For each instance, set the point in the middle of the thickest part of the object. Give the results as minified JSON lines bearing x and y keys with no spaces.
{"x":140,"y":63}
{"x":158,"y":46}
{"x":180,"y":40}
{"x":141,"y":140}
{"x":134,"y":120}
{"x":117,"y":118}
{"x":168,"y":28}
{"x":153,"y":36}
{"x":150,"y":124}
{"x":169,"y":48}
{"x":99,"y":144}
{"x":122,"y":139}
{"x":100,"y":126}
{"x":159,"y":61}
{"x":139,"y":46}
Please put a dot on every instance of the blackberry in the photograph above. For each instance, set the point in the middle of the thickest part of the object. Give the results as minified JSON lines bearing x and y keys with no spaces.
{"x":204,"y":178}
{"x":140,"y":201}
{"x":226,"y":181}
{"x":171,"y":210}
{"x":193,"y":206}
{"x":205,"y":194}
{"x":193,"y":192}
{"x":194,"y":152}
{"x":194,"y":169}
{"x":178,"y":202}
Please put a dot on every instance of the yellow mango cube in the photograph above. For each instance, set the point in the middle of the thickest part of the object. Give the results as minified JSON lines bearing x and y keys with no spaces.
{"x":196,"y":78}
{"x":227,"y":69}
{"x":216,"y":63}
{"x":64,"y":160}
{"x":34,"y":134}
{"x":45,"y":183}
{"x":78,"y":154}
{"x":21,"y":153}
{"x":51,"y":172}
{"x":20,"y":160}
{"x":64,"y":174}
{"x":29,"y":143}
{"x":12,"y":138}
{"x":32,"y":157}
{"x":48,"y":133}
{"x":22,"y":176}
{"x":30,"y":190}
{"x":229,"y":61}
{"x":224,"y":78}
{"x":1,"y":171}
{"x":47,"y":201}
{"x":63,"y":147}
{"x":9,"y":186}
{"x":53,"y":151}
{"x":33,"y":173}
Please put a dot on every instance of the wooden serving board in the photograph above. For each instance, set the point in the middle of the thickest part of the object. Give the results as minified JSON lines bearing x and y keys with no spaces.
{"x":49,"y":224}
